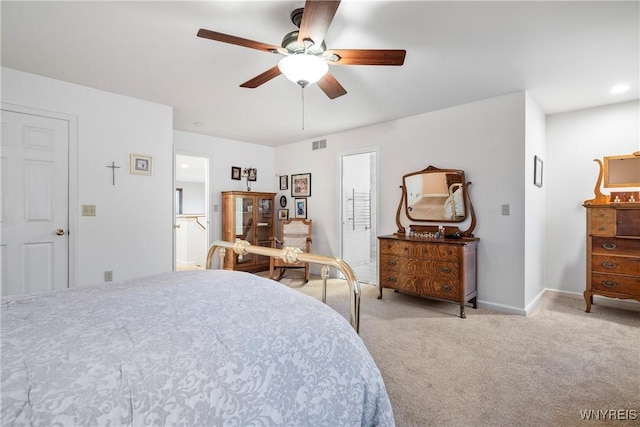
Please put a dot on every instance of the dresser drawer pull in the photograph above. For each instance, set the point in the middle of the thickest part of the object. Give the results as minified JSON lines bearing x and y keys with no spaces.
{"x":607,"y":264}
{"x":446,"y":288}
{"x":609,"y":284}
{"x":391,"y":262}
{"x":391,"y":279}
{"x":600,"y":228}
{"x":609,"y":246}
{"x":445,"y":269}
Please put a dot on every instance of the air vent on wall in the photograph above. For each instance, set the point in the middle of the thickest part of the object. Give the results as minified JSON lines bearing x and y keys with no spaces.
{"x":317,"y":145}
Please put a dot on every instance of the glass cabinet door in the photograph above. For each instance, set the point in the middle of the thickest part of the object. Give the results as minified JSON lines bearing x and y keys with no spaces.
{"x":244,"y":224}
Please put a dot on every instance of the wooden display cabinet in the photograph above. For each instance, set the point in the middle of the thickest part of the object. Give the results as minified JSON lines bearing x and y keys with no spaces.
{"x":248,"y":215}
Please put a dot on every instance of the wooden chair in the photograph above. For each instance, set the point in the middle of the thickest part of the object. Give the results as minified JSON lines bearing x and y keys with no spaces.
{"x":296,"y":233}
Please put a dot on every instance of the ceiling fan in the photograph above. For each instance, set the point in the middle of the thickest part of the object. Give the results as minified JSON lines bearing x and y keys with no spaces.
{"x":306,"y":57}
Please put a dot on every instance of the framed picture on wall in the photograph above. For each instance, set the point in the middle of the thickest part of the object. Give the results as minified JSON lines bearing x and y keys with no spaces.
{"x":283,"y":214}
{"x":301,"y":185}
{"x":284,"y":182}
{"x":300,"y":206}
{"x":235,"y":173}
{"x":140,"y":164}
{"x":537,"y":171}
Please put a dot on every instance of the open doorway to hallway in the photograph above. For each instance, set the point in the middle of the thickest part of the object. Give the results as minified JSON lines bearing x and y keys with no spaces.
{"x":358,"y":211}
{"x":191,"y":212}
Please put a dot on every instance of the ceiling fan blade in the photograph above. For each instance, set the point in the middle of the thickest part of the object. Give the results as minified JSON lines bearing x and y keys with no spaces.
{"x":330,"y":86}
{"x":238,"y":41}
{"x":262,"y":78}
{"x":316,"y":18}
{"x":367,"y":56}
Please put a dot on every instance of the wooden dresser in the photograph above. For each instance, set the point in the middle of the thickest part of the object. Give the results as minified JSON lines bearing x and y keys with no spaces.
{"x":613,"y":251}
{"x":430,"y":267}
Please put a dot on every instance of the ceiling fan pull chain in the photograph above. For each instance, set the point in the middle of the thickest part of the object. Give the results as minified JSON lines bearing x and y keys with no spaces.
{"x":302,"y":99}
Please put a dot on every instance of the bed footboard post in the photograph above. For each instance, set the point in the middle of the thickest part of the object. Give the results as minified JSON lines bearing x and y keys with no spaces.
{"x":221,"y":253}
{"x":324,"y":273}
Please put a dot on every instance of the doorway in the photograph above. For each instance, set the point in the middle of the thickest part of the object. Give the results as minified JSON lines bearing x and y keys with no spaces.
{"x":191,"y":236}
{"x":359,"y":214}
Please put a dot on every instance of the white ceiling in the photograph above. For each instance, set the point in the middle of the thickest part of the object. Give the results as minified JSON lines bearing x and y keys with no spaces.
{"x":567,"y":54}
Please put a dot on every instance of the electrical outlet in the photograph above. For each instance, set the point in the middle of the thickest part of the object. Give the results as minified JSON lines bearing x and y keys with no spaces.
{"x":505,"y":210}
{"x":216,"y":208}
{"x":108,"y":276}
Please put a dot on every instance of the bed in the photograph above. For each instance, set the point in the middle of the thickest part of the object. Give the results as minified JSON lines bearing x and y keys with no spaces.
{"x":192,"y":348}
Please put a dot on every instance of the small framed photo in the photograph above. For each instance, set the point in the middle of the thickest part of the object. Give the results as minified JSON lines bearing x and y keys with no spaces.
{"x":283,"y":214}
{"x":300,"y":208}
{"x":252,"y":174}
{"x":284,"y":182}
{"x":301,"y":185}
{"x":265,"y":207}
{"x":537,"y":171}
{"x":140,"y":164}
{"x":236,"y":173}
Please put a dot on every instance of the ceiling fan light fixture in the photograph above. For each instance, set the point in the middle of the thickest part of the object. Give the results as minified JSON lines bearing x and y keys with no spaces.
{"x":303,"y":69}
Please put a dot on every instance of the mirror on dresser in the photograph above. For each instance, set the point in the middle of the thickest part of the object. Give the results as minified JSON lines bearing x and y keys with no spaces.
{"x":437,"y":197}
{"x":613,"y":231}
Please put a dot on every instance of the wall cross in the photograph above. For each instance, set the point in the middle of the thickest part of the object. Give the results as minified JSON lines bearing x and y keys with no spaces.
{"x":113,"y":172}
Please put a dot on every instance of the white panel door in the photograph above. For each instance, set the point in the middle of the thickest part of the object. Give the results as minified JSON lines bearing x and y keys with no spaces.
{"x":34,"y":250}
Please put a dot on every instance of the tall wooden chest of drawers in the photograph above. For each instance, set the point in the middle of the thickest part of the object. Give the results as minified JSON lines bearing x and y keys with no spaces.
{"x":613,"y":251}
{"x":437,"y":268}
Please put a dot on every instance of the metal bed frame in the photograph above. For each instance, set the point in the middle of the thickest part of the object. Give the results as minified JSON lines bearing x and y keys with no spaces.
{"x":293,"y":255}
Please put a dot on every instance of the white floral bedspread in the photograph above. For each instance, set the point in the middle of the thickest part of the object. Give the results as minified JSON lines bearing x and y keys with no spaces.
{"x":195,"y":348}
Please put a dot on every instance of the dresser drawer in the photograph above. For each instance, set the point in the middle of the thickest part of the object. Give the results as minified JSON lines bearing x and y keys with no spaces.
{"x":613,"y":246}
{"x":421,"y":285}
{"x":629,"y":285}
{"x":433,"y":250}
{"x":394,"y":247}
{"x":418,"y":267}
{"x":603,"y":222}
{"x":616,"y":265}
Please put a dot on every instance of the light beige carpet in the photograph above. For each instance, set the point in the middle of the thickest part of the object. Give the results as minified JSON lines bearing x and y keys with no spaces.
{"x":494,"y":369}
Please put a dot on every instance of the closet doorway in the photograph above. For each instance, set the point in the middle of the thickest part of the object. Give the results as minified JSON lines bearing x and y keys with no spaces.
{"x":358,"y":213}
{"x":191,"y":228}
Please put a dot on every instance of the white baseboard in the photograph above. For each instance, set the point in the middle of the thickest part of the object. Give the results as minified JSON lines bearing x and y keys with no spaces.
{"x":502,"y":308}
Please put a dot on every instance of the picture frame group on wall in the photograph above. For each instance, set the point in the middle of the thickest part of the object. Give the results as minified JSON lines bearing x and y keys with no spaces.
{"x":140,"y":164}
{"x":236,"y":173}
{"x":301,"y":185}
{"x":300,"y":208}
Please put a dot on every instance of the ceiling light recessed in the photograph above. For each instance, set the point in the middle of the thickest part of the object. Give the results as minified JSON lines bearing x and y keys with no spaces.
{"x":619,"y":89}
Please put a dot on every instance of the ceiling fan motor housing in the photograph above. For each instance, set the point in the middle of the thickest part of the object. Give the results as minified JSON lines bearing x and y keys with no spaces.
{"x":290,"y":43}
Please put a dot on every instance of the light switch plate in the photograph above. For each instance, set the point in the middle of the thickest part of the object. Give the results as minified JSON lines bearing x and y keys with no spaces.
{"x":506,"y":210}
{"x":88,"y":210}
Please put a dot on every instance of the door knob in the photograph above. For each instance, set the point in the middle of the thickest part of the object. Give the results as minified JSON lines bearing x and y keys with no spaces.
{"x":60,"y":232}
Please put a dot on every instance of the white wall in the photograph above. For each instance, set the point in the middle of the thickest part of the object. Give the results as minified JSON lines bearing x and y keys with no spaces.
{"x":573,"y":140}
{"x":193,"y":197}
{"x":131,"y":233}
{"x":224,"y":153}
{"x":486,"y":139}
{"x":535,"y":208}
